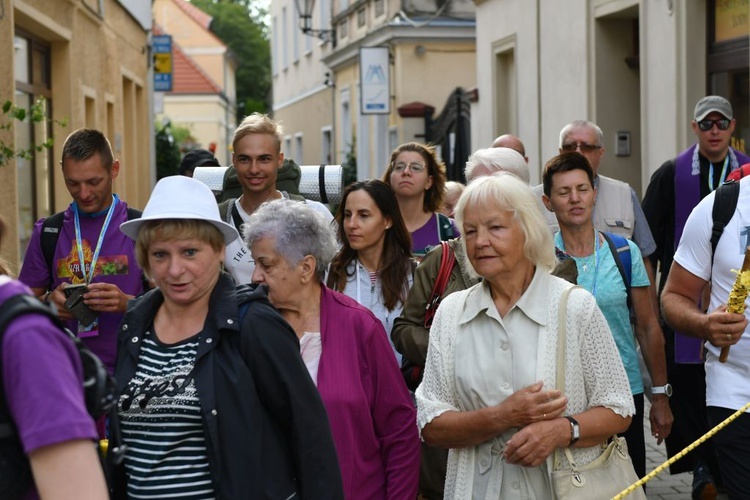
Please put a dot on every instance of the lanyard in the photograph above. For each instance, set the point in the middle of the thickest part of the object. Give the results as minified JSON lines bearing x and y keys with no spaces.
{"x":87,"y":277}
{"x":711,"y":174}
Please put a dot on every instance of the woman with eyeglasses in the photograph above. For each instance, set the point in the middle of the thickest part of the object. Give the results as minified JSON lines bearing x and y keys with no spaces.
{"x":417,"y":177}
{"x":374,"y":265}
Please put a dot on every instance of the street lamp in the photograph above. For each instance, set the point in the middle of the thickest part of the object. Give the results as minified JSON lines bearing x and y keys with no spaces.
{"x":305,"y":10}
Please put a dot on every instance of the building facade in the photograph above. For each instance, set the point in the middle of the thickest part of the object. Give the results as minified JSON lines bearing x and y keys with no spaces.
{"x":89,"y":59}
{"x":203,"y":97}
{"x":636,"y":68}
{"x":317,"y":84}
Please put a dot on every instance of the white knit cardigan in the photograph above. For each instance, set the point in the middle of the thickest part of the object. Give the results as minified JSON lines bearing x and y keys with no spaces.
{"x":594,"y":373}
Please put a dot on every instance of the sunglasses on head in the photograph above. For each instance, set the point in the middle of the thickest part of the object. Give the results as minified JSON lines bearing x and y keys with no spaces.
{"x":585,"y":148}
{"x":706,"y":125}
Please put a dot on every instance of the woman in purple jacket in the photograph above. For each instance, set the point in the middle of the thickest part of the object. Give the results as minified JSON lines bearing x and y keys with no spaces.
{"x":345,"y":349}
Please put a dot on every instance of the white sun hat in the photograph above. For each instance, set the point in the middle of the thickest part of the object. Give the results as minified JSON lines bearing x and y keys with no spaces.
{"x":180,"y":197}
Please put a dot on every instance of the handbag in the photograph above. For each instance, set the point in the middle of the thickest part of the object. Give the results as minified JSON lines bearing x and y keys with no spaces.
{"x":606,"y":476}
{"x":412,"y":372}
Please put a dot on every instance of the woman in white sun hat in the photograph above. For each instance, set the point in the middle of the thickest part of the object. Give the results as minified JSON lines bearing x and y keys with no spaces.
{"x":212,"y":403}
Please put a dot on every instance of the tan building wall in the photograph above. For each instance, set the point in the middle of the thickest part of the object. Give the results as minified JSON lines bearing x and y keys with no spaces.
{"x":317,"y":111}
{"x":98,"y":75}
{"x":206,"y":118}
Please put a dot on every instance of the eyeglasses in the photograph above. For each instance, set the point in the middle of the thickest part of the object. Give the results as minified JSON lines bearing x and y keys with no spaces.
{"x":585,"y":148}
{"x":414,"y":167}
{"x":706,"y":125}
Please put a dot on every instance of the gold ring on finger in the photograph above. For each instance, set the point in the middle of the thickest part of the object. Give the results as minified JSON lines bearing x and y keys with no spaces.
{"x":729,"y":336}
{"x":545,"y":417}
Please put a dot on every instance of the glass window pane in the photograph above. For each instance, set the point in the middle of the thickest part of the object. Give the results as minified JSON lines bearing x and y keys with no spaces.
{"x":25,"y":174}
{"x":21,"y":59}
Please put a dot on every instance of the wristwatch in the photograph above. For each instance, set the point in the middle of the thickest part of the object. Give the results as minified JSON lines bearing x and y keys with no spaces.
{"x":662,"y":389}
{"x":575,"y":430}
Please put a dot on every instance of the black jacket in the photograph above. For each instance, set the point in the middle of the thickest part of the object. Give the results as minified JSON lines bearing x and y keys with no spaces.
{"x":266,"y":428}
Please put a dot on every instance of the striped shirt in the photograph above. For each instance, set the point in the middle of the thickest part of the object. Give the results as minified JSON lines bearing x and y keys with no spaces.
{"x":160,"y":414}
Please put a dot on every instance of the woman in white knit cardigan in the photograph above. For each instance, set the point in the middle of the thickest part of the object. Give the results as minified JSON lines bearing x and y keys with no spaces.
{"x":489,"y":392}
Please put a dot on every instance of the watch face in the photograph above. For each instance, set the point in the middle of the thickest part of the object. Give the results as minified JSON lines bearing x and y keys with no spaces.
{"x":664,"y":389}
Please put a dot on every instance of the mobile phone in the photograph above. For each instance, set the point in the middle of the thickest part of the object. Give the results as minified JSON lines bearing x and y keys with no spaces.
{"x":70,"y":289}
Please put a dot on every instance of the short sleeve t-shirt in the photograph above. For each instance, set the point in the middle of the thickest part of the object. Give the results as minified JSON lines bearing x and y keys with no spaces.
{"x":116,"y":264}
{"x":45,"y":398}
{"x":428,"y":236}
{"x":605,"y":284}
{"x":726,"y":383}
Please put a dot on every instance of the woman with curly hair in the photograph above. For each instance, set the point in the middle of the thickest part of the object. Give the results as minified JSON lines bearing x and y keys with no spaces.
{"x":418,"y":178}
{"x":374,"y":264}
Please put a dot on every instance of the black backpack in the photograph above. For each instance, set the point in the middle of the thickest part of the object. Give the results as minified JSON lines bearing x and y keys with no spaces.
{"x":725,"y":203}
{"x":98,"y":388}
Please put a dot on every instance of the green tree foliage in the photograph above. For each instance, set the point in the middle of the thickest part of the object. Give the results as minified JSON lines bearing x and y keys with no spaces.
{"x":35,"y":114}
{"x":167,"y":153}
{"x":241,"y":25}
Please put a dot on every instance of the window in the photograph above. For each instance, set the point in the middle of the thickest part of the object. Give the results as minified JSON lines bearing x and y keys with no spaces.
{"x":275,"y":46}
{"x":35,"y":175}
{"x":284,"y":40}
{"x":295,"y":42}
{"x":288,"y":145}
{"x":298,"y":151}
{"x":379,"y":8}
{"x":326,"y":156}
{"x":89,"y":105}
{"x":342,"y":29}
{"x":361,"y":17}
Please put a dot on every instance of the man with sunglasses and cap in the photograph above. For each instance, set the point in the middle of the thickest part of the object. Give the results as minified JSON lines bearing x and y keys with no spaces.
{"x":694,"y":173}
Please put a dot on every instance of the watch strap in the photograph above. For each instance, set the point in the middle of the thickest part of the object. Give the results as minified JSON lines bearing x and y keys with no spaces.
{"x":575,"y":430}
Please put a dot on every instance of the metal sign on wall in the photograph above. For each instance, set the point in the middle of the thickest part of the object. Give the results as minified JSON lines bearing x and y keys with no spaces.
{"x":162,"y":53}
{"x":375,"y":81}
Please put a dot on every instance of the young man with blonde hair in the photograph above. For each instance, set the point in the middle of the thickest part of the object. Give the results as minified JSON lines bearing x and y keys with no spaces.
{"x":257,"y":157}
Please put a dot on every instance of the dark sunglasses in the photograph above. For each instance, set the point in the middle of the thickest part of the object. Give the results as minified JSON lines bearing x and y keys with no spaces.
{"x":706,"y":125}
{"x":585,"y":148}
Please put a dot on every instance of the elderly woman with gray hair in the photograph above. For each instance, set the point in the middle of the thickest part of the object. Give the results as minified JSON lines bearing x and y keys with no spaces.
{"x":345,"y":349}
{"x":489,"y":392}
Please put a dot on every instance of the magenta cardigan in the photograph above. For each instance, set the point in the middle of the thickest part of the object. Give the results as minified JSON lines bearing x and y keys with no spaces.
{"x":371,"y":413}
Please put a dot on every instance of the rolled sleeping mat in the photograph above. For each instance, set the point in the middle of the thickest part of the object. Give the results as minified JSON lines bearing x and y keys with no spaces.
{"x":213,"y":177}
{"x":323,"y":183}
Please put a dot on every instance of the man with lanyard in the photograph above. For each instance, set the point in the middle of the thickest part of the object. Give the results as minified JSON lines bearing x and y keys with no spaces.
{"x":90,"y":248}
{"x":257,"y":157}
{"x":675,"y":189}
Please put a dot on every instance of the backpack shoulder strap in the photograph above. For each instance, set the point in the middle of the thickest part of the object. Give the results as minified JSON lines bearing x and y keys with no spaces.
{"x":620,"y":249}
{"x":134,"y":213}
{"x":725,"y":204}
{"x":445,"y":228}
{"x":50,"y":234}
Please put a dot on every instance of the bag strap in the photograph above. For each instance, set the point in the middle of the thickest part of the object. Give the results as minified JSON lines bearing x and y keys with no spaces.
{"x":447,"y":260}
{"x":725,"y":203}
{"x":620,"y":250}
{"x":48,"y":239}
{"x":562,"y":334}
{"x":445,"y":228}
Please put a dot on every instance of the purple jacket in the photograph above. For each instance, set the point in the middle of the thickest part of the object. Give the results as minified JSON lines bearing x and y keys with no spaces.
{"x":371,"y":413}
